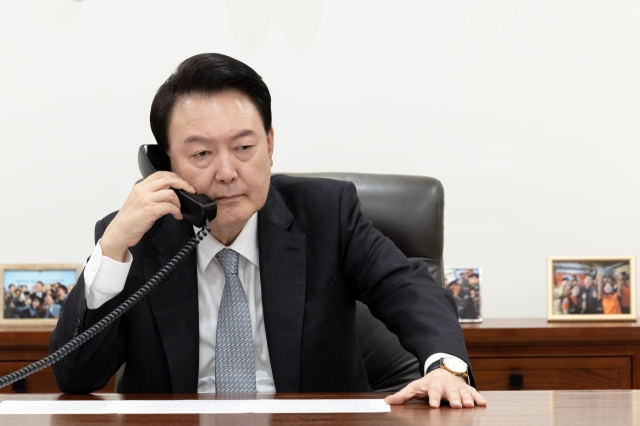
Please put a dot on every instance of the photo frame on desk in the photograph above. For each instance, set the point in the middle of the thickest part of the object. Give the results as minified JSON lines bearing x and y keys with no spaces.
{"x":595,"y":288}
{"x":34,"y":294}
{"x":464,"y":284}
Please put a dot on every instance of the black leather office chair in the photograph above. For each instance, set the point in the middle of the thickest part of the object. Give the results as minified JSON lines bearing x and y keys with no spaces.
{"x":408,"y":210}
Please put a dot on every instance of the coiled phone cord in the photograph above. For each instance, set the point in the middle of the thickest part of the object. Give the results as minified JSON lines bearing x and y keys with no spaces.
{"x":81,"y":338}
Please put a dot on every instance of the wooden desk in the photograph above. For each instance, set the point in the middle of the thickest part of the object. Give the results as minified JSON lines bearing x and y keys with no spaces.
{"x":590,"y":355}
{"x":564,"y":408}
{"x":556,"y":356}
{"x":20,"y":346}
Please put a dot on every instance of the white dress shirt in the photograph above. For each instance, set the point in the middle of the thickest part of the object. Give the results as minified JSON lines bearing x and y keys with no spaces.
{"x":105,"y":278}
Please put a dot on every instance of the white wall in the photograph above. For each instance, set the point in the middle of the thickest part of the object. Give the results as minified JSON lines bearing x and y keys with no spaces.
{"x":528,"y":111}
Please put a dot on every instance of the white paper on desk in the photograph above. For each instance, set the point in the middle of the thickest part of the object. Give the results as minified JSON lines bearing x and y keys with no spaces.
{"x":323,"y":406}
{"x":54,"y":407}
{"x":196,"y":406}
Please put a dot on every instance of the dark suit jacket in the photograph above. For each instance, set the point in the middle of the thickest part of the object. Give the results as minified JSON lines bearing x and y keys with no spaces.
{"x":318,"y":254}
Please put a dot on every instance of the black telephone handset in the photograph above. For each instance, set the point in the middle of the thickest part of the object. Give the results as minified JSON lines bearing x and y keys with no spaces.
{"x":196,"y":208}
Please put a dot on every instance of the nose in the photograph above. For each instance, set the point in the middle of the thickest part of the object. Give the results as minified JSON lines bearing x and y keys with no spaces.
{"x":225,"y":168}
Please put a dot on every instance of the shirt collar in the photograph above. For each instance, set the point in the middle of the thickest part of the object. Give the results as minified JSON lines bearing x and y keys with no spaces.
{"x":246,"y":243}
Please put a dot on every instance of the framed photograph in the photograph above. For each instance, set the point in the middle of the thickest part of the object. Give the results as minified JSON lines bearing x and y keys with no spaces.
{"x":35,"y":293}
{"x":591,"y":288}
{"x":464,"y":284}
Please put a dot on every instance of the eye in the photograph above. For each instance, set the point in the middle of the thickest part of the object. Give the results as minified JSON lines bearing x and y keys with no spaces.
{"x":201,"y":154}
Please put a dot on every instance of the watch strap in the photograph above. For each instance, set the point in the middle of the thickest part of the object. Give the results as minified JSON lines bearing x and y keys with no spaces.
{"x":433,"y":366}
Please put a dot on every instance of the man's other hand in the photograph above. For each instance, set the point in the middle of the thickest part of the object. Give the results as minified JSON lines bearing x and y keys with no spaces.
{"x":436,"y":386}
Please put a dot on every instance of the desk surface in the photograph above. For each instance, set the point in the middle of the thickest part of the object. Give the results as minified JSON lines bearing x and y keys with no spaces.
{"x":565,"y":408}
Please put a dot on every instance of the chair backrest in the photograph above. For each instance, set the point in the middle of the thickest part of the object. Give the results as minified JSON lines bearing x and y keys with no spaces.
{"x":409,"y":210}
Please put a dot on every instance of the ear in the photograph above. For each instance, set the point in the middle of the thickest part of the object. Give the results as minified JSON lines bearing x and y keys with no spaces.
{"x":270,"y":145}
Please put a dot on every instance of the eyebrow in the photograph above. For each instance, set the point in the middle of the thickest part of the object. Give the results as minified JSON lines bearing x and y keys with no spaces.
{"x":241,"y":134}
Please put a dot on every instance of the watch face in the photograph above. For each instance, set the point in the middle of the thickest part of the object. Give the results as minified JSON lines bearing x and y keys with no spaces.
{"x":455,"y":365}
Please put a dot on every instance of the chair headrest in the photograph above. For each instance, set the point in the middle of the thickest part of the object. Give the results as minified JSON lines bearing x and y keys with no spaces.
{"x":407,"y":209}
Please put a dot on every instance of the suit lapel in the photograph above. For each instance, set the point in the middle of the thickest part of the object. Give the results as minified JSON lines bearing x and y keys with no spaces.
{"x":174,"y":304}
{"x":283,"y":276}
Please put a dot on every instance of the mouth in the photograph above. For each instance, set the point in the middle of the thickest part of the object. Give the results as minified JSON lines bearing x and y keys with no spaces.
{"x":227,"y":199}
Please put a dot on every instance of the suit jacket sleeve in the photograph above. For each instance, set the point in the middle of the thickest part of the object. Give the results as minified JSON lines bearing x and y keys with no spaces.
{"x":398,"y":291}
{"x":89,"y":367}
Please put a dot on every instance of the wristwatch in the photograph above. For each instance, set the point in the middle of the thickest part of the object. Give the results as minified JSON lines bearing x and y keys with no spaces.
{"x":453,"y":366}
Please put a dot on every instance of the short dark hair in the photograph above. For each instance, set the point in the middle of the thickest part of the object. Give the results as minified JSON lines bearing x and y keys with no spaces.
{"x":208,"y":74}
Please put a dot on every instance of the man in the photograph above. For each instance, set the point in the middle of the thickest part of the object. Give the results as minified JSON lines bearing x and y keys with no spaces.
{"x":52,"y":308}
{"x":591,"y":304}
{"x":38,"y":290}
{"x":61,"y":295}
{"x":299,"y":249}
{"x":8,"y":297}
{"x":474,"y":282}
{"x":34,"y":309}
{"x":622,"y":282}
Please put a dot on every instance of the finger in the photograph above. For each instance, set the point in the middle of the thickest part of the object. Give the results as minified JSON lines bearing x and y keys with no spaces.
{"x":165,"y":196}
{"x":151,"y":212}
{"x":435,"y":395}
{"x":453,"y":396}
{"x":405,"y":394}
{"x":479,"y":399}
{"x":467,"y":399}
{"x":162,"y":209}
{"x":164,"y":180}
{"x":399,"y":397}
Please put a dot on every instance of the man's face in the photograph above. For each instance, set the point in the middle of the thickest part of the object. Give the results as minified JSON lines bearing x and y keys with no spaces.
{"x":37,"y":288}
{"x":218,"y":144}
{"x":588,"y":281}
{"x":455,"y":289}
{"x":61,"y":294}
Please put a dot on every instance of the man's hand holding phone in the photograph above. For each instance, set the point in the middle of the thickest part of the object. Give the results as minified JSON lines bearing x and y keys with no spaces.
{"x":148,"y":201}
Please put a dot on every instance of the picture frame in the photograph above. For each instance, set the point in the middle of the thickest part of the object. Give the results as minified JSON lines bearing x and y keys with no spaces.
{"x":591,"y":288}
{"x":33,"y":294}
{"x":465,"y":285}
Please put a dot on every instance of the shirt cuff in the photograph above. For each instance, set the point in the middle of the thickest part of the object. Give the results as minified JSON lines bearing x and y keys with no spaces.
{"x":433,"y":358}
{"x":104,"y":277}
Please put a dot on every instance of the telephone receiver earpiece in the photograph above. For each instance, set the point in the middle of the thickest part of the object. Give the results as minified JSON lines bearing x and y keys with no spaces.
{"x":198,"y":209}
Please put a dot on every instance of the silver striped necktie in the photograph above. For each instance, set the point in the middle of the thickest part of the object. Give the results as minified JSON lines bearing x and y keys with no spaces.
{"x":235,"y":366}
